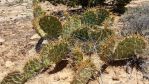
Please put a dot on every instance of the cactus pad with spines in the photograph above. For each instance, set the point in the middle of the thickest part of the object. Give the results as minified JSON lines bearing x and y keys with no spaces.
{"x":113,"y":49}
{"x":84,"y":72}
{"x":129,"y":46}
{"x":101,"y":34}
{"x":37,"y":28}
{"x":33,"y":67}
{"x":58,"y":52}
{"x":72,"y":23}
{"x":15,"y":77}
{"x":95,"y":16}
{"x":51,"y":26}
{"x":77,"y":55}
{"x":81,"y":34}
{"x":106,"y":49}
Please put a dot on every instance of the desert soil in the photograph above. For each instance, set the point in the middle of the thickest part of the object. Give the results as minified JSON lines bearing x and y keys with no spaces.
{"x":18,"y":39}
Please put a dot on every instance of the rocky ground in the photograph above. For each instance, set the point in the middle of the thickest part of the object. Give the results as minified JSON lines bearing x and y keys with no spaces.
{"x":17,"y":41}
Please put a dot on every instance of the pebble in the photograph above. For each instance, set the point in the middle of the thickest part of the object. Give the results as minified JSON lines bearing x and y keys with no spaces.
{"x":9,"y":64}
{"x":2,"y":41}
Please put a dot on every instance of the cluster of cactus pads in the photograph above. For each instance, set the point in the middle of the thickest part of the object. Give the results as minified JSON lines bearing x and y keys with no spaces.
{"x":78,"y":37}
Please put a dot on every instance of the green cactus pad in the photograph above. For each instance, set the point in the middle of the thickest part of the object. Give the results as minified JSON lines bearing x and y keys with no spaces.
{"x":37,"y":28}
{"x":89,"y":34}
{"x":82,"y":34}
{"x":72,"y":23}
{"x":89,"y":17}
{"x":102,"y":14}
{"x":33,"y":67}
{"x":113,"y":50}
{"x":84,"y":73}
{"x":95,"y":16}
{"x":101,"y":34}
{"x":44,"y":55}
{"x":14,"y":78}
{"x":51,"y":26}
{"x":129,"y":47}
{"x":106,"y":49}
{"x":58,"y":52}
{"x":77,"y":55}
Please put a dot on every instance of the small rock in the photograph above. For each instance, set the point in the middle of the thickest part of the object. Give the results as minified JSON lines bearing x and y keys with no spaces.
{"x":9,"y":64}
{"x":115,"y":78}
{"x":2,"y":41}
{"x":35,"y":36}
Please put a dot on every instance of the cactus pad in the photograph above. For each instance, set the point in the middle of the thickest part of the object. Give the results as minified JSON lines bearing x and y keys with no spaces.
{"x":129,"y":47}
{"x":95,"y":16}
{"x":84,"y":73}
{"x":125,"y":49}
{"x":51,"y":26}
{"x":33,"y":67}
{"x":72,"y":23}
{"x":82,"y":34}
{"x":58,"y":52}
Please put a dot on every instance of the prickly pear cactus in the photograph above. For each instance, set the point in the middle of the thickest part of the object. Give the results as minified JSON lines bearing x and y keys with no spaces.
{"x":101,"y":34}
{"x":72,"y":23}
{"x":51,"y":26}
{"x":58,"y":52}
{"x":106,"y":49}
{"x":81,"y":34}
{"x":32,"y":68}
{"x":113,"y":50}
{"x":14,"y":78}
{"x":37,"y":28}
{"x":129,"y":47}
{"x":77,"y":55}
{"x":84,"y":73}
{"x":95,"y":16}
